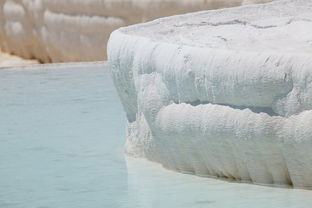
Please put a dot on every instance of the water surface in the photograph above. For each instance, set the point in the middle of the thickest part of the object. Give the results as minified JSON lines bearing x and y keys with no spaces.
{"x":61,"y":146}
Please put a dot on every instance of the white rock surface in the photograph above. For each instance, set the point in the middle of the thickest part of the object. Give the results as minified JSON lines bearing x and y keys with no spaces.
{"x":222,"y":93}
{"x":78,"y":30}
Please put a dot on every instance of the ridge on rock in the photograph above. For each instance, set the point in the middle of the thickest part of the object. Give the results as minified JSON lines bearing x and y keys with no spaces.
{"x":222,"y":93}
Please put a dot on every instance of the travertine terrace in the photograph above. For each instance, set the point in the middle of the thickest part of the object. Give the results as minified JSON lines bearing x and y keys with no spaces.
{"x":223,"y":93}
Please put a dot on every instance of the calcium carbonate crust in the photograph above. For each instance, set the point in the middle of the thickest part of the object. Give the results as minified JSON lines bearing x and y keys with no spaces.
{"x":78,"y":30}
{"x":223,"y":93}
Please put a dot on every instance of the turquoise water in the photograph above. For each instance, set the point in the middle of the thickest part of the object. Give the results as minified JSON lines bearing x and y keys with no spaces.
{"x":61,"y":146}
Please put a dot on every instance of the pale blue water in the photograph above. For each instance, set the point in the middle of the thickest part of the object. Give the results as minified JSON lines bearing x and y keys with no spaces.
{"x":61,"y":146}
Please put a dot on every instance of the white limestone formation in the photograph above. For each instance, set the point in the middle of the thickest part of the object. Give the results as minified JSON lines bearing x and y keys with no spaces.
{"x":78,"y":30}
{"x":224,"y":93}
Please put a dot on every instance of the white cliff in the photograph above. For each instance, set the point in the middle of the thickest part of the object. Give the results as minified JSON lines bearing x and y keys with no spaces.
{"x":78,"y":30}
{"x":223,"y":93}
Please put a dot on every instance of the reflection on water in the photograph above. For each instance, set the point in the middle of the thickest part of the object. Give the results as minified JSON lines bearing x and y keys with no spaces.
{"x":61,"y":138}
{"x":153,"y":186}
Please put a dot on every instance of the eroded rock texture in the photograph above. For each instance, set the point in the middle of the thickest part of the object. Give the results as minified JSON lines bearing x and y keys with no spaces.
{"x":224,"y":93}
